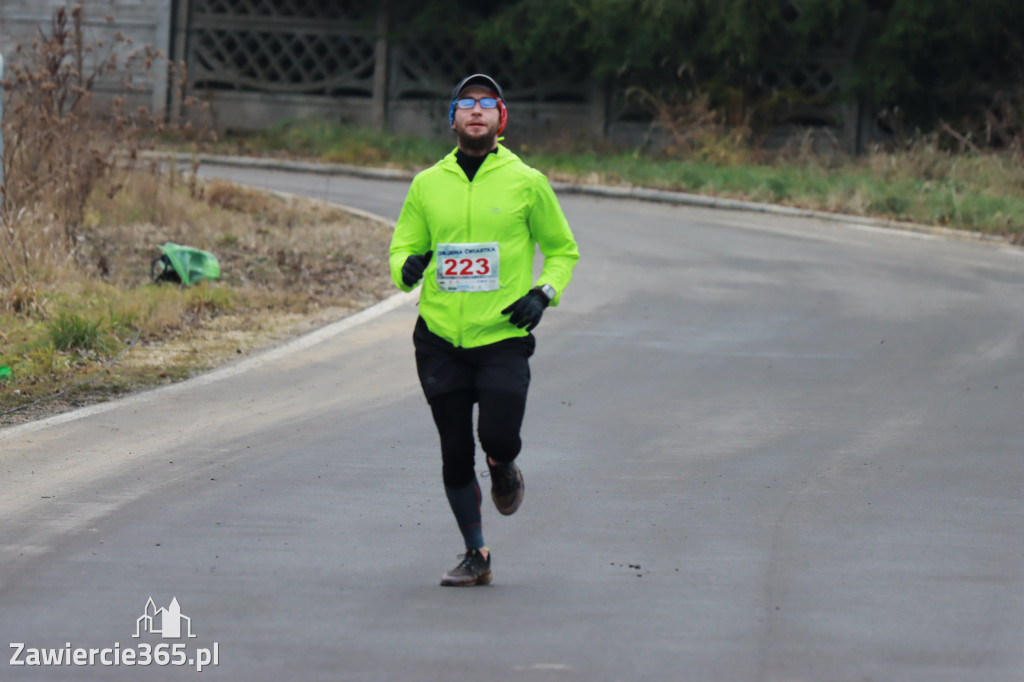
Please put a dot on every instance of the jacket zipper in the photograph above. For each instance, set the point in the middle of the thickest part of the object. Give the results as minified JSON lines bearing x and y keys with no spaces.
{"x":469,"y":238}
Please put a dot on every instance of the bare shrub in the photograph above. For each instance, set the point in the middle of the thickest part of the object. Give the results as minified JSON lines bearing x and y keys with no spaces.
{"x":61,"y":143}
{"x":997,"y":127}
{"x":696,"y":129}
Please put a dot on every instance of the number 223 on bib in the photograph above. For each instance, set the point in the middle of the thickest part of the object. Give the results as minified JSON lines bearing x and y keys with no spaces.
{"x":467,"y":267}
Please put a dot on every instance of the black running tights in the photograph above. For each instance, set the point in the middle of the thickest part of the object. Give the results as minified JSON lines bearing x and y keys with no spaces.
{"x":500,"y":418}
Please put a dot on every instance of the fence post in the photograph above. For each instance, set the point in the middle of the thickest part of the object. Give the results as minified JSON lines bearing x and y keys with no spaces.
{"x":177,"y":59}
{"x":2,"y":96}
{"x":380,"y":69}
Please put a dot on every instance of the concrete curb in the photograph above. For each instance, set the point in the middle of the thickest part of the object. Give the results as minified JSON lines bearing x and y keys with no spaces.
{"x":285,"y":165}
{"x":603,"y":191}
{"x":702,"y":201}
{"x":257,"y":359}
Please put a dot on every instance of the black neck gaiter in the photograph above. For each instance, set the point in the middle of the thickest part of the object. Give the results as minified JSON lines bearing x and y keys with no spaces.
{"x":471,"y":164}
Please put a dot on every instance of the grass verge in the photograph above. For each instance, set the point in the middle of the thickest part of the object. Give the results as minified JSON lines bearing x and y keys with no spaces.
{"x":919,"y":183}
{"x":95,"y":326}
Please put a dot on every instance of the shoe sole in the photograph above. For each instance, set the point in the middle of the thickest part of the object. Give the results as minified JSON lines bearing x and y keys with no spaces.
{"x":508,"y":511}
{"x":482,"y":579}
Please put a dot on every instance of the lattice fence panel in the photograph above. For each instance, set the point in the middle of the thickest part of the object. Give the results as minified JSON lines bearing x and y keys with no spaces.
{"x":430,"y":67}
{"x":810,"y":79}
{"x":285,"y":46}
{"x":305,"y":9}
{"x":815,"y":78}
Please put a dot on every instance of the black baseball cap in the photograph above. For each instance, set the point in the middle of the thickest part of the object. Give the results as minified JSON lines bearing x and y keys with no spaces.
{"x":478,"y":79}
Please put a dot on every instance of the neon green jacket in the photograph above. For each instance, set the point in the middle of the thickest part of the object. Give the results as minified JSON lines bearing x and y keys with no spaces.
{"x":509,"y":203}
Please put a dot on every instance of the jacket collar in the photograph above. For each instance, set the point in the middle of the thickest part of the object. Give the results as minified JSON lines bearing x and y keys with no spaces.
{"x":501,"y":157}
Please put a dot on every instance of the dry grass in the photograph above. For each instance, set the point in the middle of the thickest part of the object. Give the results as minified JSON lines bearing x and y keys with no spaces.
{"x":288,"y":265}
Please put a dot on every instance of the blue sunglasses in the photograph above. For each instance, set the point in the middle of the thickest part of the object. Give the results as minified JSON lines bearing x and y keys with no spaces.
{"x":470,"y":102}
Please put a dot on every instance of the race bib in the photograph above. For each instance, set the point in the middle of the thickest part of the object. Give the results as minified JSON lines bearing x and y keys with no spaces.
{"x":467,"y":267}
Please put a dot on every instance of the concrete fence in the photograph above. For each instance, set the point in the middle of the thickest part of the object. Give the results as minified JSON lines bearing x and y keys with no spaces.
{"x":258,"y":62}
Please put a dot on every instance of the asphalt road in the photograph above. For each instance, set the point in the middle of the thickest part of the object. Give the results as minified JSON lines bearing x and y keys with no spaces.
{"x":756,"y":449}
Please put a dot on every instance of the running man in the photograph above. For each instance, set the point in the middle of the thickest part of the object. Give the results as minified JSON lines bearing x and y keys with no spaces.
{"x":468,"y":229}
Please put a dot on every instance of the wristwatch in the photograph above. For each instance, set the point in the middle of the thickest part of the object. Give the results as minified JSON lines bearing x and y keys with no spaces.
{"x":548,"y":291}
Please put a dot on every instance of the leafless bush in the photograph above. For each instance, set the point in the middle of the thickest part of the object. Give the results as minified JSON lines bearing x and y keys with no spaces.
{"x":61,"y":142}
{"x":1004,"y":124}
{"x":996,"y":125}
{"x":695,"y":127}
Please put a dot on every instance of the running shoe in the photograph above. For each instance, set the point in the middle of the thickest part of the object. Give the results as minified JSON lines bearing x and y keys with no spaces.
{"x":507,"y":487}
{"x":474,"y":569}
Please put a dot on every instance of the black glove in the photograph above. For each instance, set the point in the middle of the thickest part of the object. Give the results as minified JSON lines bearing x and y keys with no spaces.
{"x":412,"y":269}
{"x":527,"y":310}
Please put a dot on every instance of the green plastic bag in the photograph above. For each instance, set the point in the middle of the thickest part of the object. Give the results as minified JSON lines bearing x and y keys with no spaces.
{"x":184,"y":264}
